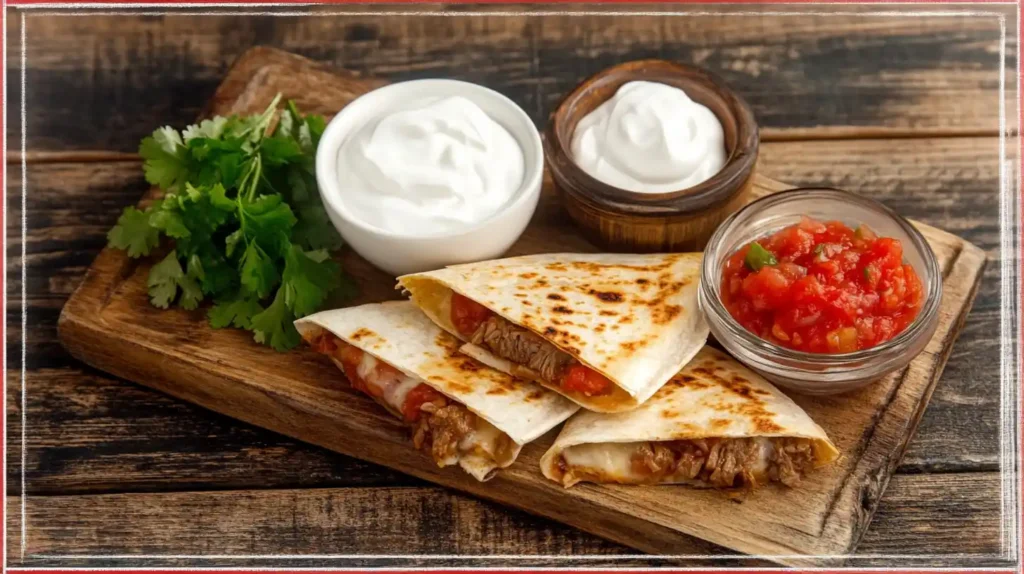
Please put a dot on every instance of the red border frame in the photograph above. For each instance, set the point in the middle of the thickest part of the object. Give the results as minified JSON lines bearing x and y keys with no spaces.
{"x":4,"y":172}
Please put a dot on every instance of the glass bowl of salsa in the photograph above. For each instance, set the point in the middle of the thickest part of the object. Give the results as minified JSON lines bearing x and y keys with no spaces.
{"x":820,"y":290}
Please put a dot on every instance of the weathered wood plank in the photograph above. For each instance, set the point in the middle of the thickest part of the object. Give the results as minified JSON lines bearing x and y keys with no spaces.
{"x":89,"y":432}
{"x":73,"y":205}
{"x":101,"y":82}
{"x":920,"y":517}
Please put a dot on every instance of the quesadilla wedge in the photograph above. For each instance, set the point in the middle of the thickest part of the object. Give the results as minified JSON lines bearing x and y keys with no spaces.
{"x":716,"y":424}
{"x":605,"y":330}
{"x":460,"y":411}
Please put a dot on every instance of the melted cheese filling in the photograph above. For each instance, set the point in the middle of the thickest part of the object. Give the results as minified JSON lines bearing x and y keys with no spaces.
{"x":614,"y":461}
{"x":484,"y":439}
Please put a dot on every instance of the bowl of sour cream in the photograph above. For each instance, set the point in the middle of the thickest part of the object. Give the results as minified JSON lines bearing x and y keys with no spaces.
{"x":652,"y":155}
{"x":427,"y":173}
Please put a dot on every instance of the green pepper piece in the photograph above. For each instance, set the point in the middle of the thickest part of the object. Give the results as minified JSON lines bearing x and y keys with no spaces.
{"x":758,"y":257}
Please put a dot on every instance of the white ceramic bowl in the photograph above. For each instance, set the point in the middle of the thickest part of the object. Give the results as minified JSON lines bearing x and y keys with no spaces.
{"x":400,"y":254}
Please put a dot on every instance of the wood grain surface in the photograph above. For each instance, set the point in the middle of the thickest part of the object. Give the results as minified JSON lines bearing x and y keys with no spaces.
{"x":440,"y":523}
{"x":90,"y":433}
{"x":109,"y":79}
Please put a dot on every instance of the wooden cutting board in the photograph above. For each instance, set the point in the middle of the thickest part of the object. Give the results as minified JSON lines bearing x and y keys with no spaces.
{"x":109,"y":324}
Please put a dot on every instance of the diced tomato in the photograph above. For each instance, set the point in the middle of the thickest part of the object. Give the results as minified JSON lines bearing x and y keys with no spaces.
{"x":582,"y":379}
{"x":350,"y":358}
{"x":325,"y":343}
{"x":833,"y":289}
{"x":467,"y":314}
{"x":417,"y":397}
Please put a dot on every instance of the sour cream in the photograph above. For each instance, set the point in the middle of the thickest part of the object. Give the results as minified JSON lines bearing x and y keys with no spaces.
{"x":428,"y":167}
{"x":650,"y":138}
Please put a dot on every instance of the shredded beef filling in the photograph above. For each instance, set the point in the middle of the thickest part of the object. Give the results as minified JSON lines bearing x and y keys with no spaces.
{"x":441,"y":427}
{"x":724,"y":463}
{"x":791,"y":459}
{"x":522,"y":347}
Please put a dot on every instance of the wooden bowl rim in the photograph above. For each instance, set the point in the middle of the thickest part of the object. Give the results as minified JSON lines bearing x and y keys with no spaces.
{"x":721,"y":187}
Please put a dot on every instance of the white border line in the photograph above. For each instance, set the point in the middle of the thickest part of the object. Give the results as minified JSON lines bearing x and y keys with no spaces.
{"x":443,"y":13}
{"x":3,"y":258}
{"x":24,"y":289}
{"x":523,"y":569}
{"x":1006,"y":344}
{"x":318,"y":4}
{"x":451,"y":14}
{"x":515,"y":557}
{"x":1015,"y":551}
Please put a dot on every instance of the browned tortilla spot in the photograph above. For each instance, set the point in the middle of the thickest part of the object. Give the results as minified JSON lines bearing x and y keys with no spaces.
{"x":529,"y":275}
{"x":593,"y":267}
{"x":689,"y":381}
{"x":363,"y":333}
{"x":765,"y":425}
{"x":562,"y":309}
{"x":607,"y":296}
{"x":719,"y":424}
{"x":642,"y":281}
{"x":556,"y":267}
{"x":626,"y":319}
{"x":555,"y":297}
{"x":663,"y":315}
{"x":607,"y":313}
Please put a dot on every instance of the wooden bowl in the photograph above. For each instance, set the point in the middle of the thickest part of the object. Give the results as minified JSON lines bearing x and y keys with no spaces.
{"x":682,"y":220}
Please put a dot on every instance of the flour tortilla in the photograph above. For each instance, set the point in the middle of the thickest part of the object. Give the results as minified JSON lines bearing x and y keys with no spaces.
{"x":632,"y":318}
{"x":714,"y":396}
{"x":398,"y":334}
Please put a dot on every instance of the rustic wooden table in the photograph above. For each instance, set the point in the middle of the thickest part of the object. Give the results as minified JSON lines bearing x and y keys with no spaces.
{"x":902,"y":108}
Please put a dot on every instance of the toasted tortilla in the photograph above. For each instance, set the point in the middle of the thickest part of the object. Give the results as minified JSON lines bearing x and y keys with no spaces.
{"x":714,"y":396}
{"x":632,"y":318}
{"x":398,"y":334}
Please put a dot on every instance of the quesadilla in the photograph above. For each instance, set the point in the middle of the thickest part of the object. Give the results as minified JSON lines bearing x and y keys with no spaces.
{"x":716,"y":424}
{"x":604,"y":330}
{"x":460,"y":411}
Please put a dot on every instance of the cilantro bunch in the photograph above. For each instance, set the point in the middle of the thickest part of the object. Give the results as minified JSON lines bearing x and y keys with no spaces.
{"x":248,"y":227}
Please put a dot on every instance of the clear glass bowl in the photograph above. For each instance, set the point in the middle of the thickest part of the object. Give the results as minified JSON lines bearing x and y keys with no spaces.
{"x":813,"y":373}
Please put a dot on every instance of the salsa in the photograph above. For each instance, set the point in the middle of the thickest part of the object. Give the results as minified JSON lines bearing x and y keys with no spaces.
{"x":822,"y":287}
{"x":467,"y":316}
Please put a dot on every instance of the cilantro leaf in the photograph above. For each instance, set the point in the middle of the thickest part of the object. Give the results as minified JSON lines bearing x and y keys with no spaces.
{"x":279,"y":150}
{"x":134,"y":233}
{"x":259,"y":274}
{"x":214,"y":273}
{"x":211,"y":129}
{"x":314,"y":229}
{"x":163,"y":281}
{"x":274,"y":326}
{"x":237,"y":310}
{"x":167,"y":277}
{"x":169,"y":221}
{"x":166,"y":164}
{"x":268,"y":221}
{"x":191,"y":292}
{"x":307,"y":280}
